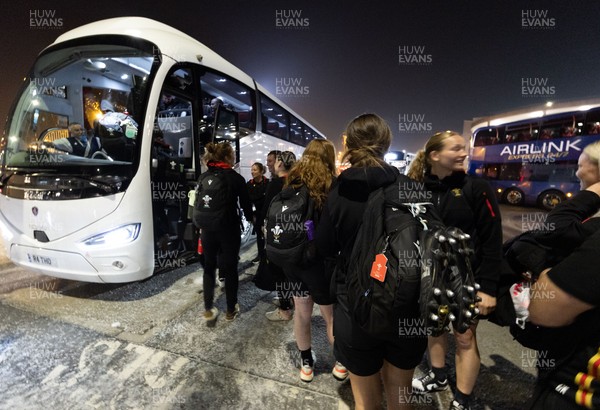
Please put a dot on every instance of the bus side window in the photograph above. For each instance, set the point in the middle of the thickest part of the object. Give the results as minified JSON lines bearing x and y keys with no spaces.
{"x":594,"y":128}
{"x":218,"y":89}
{"x":567,"y":132}
{"x":245,"y":119}
{"x":524,"y":137}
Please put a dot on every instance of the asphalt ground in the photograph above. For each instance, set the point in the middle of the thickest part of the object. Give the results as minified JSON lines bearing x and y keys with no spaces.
{"x":70,"y":345}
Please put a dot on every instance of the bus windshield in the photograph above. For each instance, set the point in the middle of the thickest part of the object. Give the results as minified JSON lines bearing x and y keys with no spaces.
{"x":80,"y":111}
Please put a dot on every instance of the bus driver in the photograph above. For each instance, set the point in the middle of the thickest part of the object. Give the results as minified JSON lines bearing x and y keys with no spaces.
{"x":77,"y":142}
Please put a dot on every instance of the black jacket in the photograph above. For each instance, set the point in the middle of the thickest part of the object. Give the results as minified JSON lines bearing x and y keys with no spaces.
{"x":239,"y":191}
{"x":257,"y":191}
{"x":551,"y":239}
{"x":570,"y":223}
{"x":578,"y":276}
{"x":274,"y":187}
{"x":469,"y":203}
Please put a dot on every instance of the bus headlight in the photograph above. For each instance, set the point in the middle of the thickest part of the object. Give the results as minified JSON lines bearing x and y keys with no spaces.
{"x":115,"y":237}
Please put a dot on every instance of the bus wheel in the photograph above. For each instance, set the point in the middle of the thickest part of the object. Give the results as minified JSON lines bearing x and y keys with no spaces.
{"x":549,"y":199}
{"x":514,"y":196}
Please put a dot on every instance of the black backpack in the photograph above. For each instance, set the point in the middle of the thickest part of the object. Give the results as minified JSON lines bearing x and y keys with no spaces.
{"x":214,"y":200}
{"x":289,"y":227}
{"x":403,"y":264}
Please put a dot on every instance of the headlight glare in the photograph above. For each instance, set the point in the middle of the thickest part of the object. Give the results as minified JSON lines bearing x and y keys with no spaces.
{"x":118,"y":236}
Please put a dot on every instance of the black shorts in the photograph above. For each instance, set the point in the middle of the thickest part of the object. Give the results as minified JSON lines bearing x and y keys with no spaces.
{"x":313,"y":280}
{"x":363,"y":354}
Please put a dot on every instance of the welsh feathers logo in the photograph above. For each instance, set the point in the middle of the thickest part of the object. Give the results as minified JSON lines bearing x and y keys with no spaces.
{"x":206,"y":199}
{"x":277,"y":231}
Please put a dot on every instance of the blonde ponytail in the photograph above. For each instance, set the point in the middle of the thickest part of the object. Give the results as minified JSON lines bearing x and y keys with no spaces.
{"x":418,"y":166}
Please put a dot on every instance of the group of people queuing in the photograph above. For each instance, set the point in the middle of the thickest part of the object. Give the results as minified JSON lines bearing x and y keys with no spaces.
{"x":382,"y":369}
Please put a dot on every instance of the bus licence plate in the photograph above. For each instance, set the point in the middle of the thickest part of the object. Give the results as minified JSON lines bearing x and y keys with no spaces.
{"x":41,"y":260}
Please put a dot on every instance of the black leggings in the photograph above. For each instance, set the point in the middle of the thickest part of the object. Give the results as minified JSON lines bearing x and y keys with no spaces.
{"x":224,"y":243}
{"x":260,"y":242}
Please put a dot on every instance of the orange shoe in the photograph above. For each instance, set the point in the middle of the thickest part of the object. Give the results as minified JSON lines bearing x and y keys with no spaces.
{"x":306,"y":373}
{"x":339,"y":372}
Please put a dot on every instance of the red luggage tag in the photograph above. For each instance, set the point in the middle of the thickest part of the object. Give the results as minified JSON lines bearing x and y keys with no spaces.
{"x":379,"y":267}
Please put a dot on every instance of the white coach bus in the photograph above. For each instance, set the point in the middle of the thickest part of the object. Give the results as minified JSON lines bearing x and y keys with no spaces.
{"x":148,"y":98}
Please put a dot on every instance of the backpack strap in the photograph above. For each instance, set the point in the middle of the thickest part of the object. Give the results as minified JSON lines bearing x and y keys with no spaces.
{"x":345,"y":254}
{"x":311,"y":212}
{"x":232,"y":195}
{"x":417,"y":209}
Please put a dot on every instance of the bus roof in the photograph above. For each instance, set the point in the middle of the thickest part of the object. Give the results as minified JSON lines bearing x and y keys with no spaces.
{"x":531,"y":112}
{"x":172,"y":43}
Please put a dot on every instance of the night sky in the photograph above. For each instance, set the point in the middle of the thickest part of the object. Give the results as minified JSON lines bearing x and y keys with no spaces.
{"x":470,"y":58}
